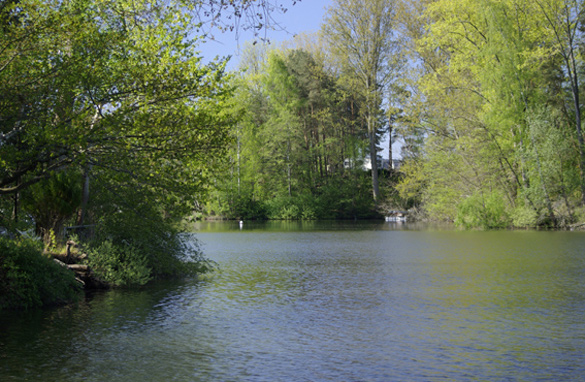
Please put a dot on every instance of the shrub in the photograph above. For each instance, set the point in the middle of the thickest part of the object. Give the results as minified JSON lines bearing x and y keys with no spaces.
{"x":308,"y":213}
{"x":480,"y":210}
{"x":524,"y":216}
{"x":150,"y":242}
{"x":119,"y":265}
{"x":244,"y":207}
{"x":29,"y":280}
{"x":282,"y":208}
{"x":296,"y":208}
{"x":290,"y":212}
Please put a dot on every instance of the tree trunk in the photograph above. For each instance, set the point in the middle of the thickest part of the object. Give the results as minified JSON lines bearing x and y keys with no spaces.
{"x":86,"y":172}
{"x":574,"y":80}
{"x":84,"y":196}
{"x":16,"y":206}
{"x":239,"y":160}
{"x":551,"y":213}
{"x":390,"y":167}
{"x":575,"y":88}
{"x":373,"y":159}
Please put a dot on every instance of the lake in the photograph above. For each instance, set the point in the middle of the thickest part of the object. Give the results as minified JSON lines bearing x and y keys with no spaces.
{"x":328,"y":301}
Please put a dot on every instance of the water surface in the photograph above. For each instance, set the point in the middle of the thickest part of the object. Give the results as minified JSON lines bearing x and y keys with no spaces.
{"x":328,"y":302}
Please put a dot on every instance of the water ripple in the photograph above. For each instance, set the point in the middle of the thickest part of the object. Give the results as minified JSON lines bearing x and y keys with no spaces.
{"x":329,"y":306}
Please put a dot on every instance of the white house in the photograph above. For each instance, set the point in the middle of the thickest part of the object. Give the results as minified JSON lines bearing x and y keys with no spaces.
{"x":366,"y":164}
{"x":383,"y":164}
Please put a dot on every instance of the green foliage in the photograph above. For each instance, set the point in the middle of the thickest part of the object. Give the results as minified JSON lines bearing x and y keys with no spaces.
{"x":482,"y":211}
{"x":298,"y":149}
{"x":52,"y":202}
{"x":338,"y":199}
{"x":555,"y":171}
{"x":495,"y":110}
{"x":363,"y":40}
{"x":237,"y":207}
{"x":284,"y":209}
{"x":248,"y":209}
{"x":29,"y":279}
{"x":119,"y":265}
{"x":580,"y":214}
{"x":289,"y":212}
{"x":348,"y":197}
{"x":114,"y":97}
{"x":109,"y":87}
{"x":524,"y":216}
{"x":133,"y":223}
{"x":108,"y":106}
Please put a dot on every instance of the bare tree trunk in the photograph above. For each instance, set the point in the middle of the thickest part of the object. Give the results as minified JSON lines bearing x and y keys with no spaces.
{"x":544,"y":188}
{"x":288,"y":169}
{"x":86,"y":172}
{"x":373,"y":159}
{"x":575,"y":88}
{"x":390,"y":167}
{"x":16,"y":207}
{"x":84,"y":196}
{"x":239,"y":163}
{"x":289,"y":182}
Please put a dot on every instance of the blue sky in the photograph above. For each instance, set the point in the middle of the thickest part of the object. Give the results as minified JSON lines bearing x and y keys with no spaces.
{"x":304,"y":16}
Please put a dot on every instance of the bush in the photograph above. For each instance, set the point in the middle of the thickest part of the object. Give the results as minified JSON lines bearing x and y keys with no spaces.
{"x":119,"y":265}
{"x":244,"y":207}
{"x":143,"y":241}
{"x":302,"y":207}
{"x":345,"y":196}
{"x":290,"y":212}
{"x":524,"y":216}
{"x":308,"y":213}
{"x":30,"y":280}
{"x":480,"y":210}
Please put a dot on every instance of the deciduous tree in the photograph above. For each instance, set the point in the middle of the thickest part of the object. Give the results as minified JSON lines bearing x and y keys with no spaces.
{"x":362,"y":37}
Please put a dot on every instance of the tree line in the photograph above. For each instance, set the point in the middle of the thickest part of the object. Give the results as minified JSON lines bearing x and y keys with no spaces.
{"x":494,"y":127}
{"x":484,"y":96}
{"x":313,"y":112}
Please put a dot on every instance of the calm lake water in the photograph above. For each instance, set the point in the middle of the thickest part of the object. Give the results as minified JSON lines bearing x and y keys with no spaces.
{"x":328,"y":302}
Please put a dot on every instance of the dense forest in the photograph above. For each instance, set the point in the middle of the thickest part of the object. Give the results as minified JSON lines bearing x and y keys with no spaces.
{"x":312,"y":114}
{"x":483,"y":96}
{"x":114,"y":130}
{"x":494,"y":126}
